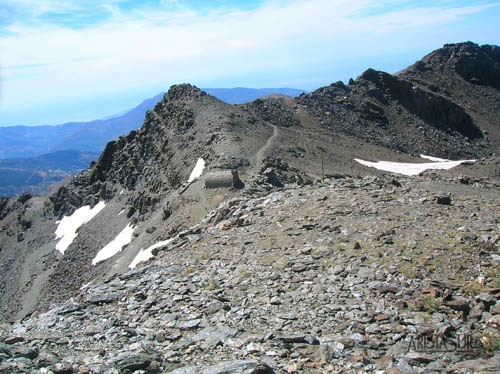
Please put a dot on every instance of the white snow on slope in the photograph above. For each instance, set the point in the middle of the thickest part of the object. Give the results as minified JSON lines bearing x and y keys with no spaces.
{"x":86,"y":285}
{"x":198,"y":170}
{"x":146,"y":254}
{"x":411,"y":168}
{"x":116,"y":246}
{"x":67,"y":227}
{"x":437,"y":159}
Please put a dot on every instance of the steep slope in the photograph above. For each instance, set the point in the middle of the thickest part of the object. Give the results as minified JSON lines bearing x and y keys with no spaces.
{"x":32,"y":176}
{"x":391,"y":112}
{"x":186,"y":125}
{"x":136,"y":176}
{"x":468,"y":75}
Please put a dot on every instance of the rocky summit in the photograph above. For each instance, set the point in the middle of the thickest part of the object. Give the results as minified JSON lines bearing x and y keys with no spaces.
{"x":301,"y":260}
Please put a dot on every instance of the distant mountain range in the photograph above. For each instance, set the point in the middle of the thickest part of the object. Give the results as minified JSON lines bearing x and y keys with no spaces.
{"x":34,"y":157}
{"x":32,"y":141}
{"x":37,"y":174}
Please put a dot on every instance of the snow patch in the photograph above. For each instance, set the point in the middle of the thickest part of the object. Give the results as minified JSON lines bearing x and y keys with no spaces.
{"x":86,"y":285}
{"x":411,"y":168}
{"x":67,"y":227}
{"x":198,"y":170}
{"x":437,"y":159}
{"x":116,"y":246}
{"x":146,"y":254}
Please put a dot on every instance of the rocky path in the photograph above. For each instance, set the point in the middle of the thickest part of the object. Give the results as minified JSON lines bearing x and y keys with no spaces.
{"x":349,"y":276}
{"x":265,"y":149}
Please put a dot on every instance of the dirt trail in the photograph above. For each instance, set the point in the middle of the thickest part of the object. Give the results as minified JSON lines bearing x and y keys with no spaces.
{"x":262,"y":152}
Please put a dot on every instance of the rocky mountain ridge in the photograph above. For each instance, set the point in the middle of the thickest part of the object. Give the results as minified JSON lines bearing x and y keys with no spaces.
{"x":92,"y":136}
{"x":259,"y":250}
{"x":466,"y":74}
{"x":27,"y":145}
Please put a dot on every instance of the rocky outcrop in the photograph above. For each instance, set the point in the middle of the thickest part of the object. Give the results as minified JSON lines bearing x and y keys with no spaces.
{"x":136,"y":176}
{"x":377,"y":106}
{"x":277,"y":173}
{"x":3,"y":204}
{"x":468,"y":75}
{"x":435,"y":110}
{"x":476,"y":64}
{"x":151,"y":159}
{"x":274,"y":110}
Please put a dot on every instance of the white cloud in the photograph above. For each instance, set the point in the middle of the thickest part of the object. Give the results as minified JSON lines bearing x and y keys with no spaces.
{"x":159,"y":47}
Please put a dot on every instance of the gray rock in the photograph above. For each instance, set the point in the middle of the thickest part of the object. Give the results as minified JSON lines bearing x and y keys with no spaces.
{"x":103,"y":298}
{"x":139,"y":273}
{"x":193,"y":238}
{"x":47,"y":320}
{"x":297,"y":338}
{"x":443,"y":199}
{"x":25,"y":352}
{"x":215,"y":333}
{"x":47,"y":359}
{"x":231,"y":367}
{"x":418,"y":357}
{"x":338,"y":270}
{"x":62,"y":368}
{"x":69,"y":307}
{"x":188,"y":325}
{"x":5,"y":352}
{"x":131,"y":361}
{"x":23,"y":362}
{"x":460,"y":304}
{"x":14,"y":339}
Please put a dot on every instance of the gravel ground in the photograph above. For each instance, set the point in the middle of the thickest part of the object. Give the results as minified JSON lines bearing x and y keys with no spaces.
{"x":348,"y":276}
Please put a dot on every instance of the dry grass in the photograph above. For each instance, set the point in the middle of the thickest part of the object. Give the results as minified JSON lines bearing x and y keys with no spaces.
{"x":473,"y":288}
{"x":490,"y":341}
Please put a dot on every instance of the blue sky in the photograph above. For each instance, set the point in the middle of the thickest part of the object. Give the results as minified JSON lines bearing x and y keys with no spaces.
{"x":69,"y":60}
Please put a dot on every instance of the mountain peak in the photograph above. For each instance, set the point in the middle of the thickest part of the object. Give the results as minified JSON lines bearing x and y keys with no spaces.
{"x":183,"y":92}
{"x":474,"y":63}
{"x":375,"y":76}
{"x":461,"y":46}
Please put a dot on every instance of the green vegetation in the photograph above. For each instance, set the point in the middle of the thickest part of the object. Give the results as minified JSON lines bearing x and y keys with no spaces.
{"x":473,"y":289}
{"x":211,"y":286}
{"x":490,"y":341}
